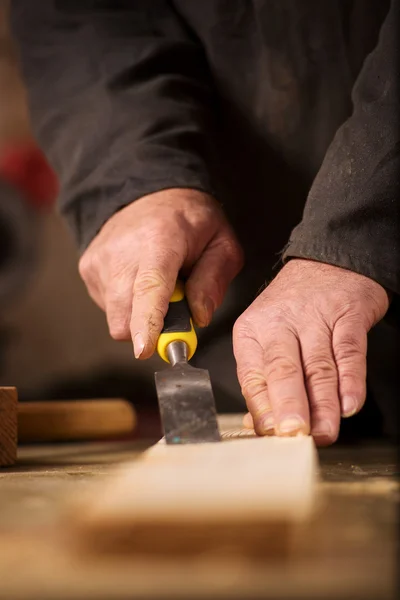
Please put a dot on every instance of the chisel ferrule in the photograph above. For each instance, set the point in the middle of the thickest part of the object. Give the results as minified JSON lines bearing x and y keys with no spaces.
{"x":177,"y":352}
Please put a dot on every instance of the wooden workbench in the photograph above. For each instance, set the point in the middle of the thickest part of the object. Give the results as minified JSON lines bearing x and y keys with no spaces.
{"x":349,"y":550}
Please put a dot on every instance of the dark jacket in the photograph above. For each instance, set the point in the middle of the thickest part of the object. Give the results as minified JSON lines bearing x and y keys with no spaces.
{"x":258,"y":102}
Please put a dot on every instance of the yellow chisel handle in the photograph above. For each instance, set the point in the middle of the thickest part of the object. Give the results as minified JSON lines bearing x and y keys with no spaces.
{"x":178,"y":324}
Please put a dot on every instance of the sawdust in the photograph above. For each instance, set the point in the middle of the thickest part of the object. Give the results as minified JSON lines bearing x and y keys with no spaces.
{"x":377,"y":485}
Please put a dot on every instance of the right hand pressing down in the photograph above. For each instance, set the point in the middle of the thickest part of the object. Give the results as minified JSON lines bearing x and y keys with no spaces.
{"x":131,"y":267}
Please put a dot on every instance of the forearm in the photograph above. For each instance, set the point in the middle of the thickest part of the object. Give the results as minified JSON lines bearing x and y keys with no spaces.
{"x":352,"y":212}
{"x":119,"y":102}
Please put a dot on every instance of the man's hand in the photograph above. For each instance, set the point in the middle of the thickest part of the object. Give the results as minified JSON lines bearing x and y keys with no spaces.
{"x":301,"y":349}
{"x":130,"y":268}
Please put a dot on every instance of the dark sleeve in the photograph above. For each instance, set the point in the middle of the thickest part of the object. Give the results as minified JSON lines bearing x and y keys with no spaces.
{"x":119,"y":98}
{"x":351,"y":218}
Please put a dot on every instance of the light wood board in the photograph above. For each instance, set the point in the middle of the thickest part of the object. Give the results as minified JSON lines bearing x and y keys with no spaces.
{"x":347,"y":551}
{"x":245,"y":494}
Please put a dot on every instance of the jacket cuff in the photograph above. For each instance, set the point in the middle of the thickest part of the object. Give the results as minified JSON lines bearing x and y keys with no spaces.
{"x":87,"y":215}
{"x":354,"y":259}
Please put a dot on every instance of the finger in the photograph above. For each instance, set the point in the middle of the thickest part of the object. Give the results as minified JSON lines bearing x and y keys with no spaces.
{"x":119,"y":306}
{"x":248,"y":422}
{"x":206,"y":287}
{"x":349,"y":343}
{"x":285,"y":381}
{"x":250,"y":370}
{"x":96,"y":296}
{"x":152,"y":291}
{"x":91,"y":281}
{"x":321,"y":379}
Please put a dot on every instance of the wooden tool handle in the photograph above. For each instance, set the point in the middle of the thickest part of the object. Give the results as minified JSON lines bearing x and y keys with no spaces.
{"x":53,"y":421}
{"x":8,"y":426}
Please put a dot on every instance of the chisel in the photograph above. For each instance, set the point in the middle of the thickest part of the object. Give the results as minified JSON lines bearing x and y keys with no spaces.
{"x":185,"y":395}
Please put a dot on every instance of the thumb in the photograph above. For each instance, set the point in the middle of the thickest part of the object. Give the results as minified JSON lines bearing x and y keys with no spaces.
{"x":349,"y":343}
{"x":209,"y":280}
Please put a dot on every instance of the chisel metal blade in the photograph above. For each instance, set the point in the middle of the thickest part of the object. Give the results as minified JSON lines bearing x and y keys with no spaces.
{"x":187,"y":405}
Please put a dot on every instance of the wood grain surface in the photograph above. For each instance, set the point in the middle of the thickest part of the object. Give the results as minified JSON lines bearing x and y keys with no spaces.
{"x":349,"y":549}
{"x":244,"y":495}
{"x":8,"y":426}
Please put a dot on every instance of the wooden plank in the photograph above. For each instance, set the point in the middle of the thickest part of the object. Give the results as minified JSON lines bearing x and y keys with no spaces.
{"x":8,"y":426}
{"x":354,"y":536}
{"x":75,"y":420}
{"x":245,"y":494}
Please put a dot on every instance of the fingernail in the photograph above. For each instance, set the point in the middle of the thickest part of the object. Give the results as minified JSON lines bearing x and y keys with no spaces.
{"x":138,"y":345}
{"x":291,"y":425}
{"x":268,"y":423}
{"x":202,"y":312}
{"x":322,"y":429}
{"x":208,"y":310}
{"x":349,"y":407}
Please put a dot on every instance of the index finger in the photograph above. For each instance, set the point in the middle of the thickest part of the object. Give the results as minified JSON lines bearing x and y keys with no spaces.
{"x":152,"y":291}
{"x":285,"y":382}
{"x":250,"y":371}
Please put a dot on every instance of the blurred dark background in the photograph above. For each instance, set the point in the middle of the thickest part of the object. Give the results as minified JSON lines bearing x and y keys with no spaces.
{"x":54,"y":341}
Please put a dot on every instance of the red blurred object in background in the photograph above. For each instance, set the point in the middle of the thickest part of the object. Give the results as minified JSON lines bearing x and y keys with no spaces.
{"x":24,"y":166}
{"x":28,"y":190}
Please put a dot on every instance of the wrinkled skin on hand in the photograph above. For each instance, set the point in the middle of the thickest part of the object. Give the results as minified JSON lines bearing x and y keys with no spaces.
{"x":301,"y":349}
{"x":130,"y":268}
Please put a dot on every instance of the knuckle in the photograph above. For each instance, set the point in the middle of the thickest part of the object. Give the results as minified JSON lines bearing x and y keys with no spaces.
{"x":86,"y":265}
{"x":118,"y":294}
{"x":280,"y":316}
{"x":353,"y":381}
{"x":169,"y":254}
{"x":243,"y":330}
{"x":349,"y":346}
{"x":240,"y":329}
{"x":280,"y":368}
{"x":319,"y":368}
{"x":340,"y":302}
{"x":252,"y":384}
{"x":325,"y":407}
{"x":232,"y":250}
{"x":154,"y":321}
{"x":119,"y":331}
{"x":287,"y":405}
{"x":149,"y":281}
